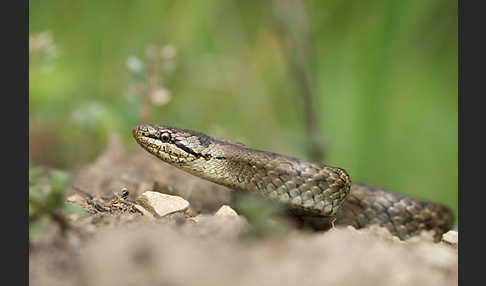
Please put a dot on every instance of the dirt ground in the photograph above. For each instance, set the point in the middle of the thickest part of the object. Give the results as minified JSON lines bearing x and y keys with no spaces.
{"x":127,"y":248}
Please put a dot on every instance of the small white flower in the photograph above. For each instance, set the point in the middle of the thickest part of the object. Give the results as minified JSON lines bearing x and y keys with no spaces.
{"x":168,"y":52}
{"x":134,"y":64}
{"x":160,"y":96}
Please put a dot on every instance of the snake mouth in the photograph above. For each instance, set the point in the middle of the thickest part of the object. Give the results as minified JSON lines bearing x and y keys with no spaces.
{"x":161,"y":143}
{"x":148,"y":137}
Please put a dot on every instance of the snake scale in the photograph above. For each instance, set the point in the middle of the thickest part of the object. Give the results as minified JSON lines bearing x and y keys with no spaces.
{"x":317,"y":194}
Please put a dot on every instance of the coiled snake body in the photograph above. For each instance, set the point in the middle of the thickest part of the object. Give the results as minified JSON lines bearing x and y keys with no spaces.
{"x":317,"y":193}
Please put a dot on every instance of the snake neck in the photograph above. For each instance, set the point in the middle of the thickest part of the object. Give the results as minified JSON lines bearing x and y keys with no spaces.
{"x":226,"y":164}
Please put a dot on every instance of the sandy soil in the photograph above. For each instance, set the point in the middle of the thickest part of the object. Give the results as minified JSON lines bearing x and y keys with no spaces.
{"x":127,"y":248}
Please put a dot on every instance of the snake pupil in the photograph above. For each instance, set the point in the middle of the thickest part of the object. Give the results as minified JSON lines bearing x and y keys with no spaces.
{"x":165,"y":137}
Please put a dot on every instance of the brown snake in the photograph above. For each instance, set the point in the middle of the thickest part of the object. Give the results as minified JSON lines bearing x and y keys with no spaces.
{"x":316,"y":193}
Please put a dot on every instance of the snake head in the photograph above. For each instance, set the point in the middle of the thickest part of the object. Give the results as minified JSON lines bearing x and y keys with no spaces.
{"x":170,"y":144}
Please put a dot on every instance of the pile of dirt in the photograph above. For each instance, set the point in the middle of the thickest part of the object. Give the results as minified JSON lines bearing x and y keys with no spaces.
{"x":129,"y":248}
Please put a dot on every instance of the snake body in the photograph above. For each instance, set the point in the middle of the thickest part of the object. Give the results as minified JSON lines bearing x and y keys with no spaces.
{"x":316,"y":193}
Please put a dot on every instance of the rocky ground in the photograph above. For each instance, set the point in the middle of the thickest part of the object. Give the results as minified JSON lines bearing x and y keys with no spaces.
{"x":151,"y":224}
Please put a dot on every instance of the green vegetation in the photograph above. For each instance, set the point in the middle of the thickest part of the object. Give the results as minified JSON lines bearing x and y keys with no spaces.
{"x":46,"y":200}
{"x":383,"y":74}
{"x":261,"y":215}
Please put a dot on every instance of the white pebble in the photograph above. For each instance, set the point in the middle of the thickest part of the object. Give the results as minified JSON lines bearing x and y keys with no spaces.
{"x":161,"y":204}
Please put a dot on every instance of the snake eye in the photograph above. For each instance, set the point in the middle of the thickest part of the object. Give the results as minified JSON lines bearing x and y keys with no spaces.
{"x":165,"y":137}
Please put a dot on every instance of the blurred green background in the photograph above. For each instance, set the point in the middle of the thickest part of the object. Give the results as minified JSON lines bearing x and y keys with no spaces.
{"x":369,"y":86}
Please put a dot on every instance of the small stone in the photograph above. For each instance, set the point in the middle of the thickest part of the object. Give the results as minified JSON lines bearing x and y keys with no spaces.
{"x":160,"y":204}
{"x":226,"y":211}
{"x":195,"y":219}
{"x":451,"y":237}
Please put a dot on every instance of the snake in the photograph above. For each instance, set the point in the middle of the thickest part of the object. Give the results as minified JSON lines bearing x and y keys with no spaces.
{"x":318,"y":195}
